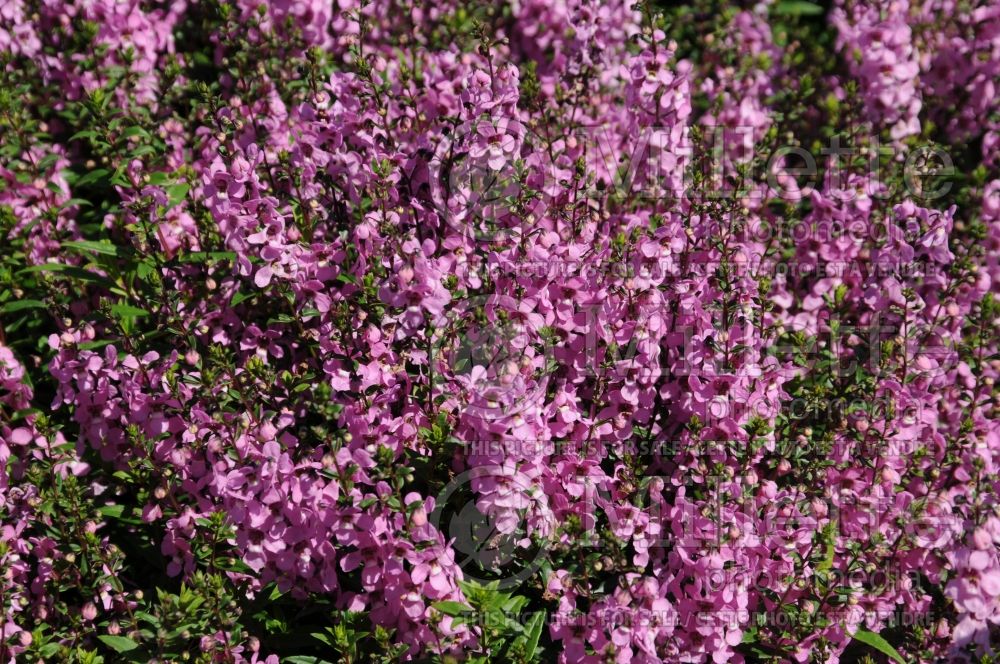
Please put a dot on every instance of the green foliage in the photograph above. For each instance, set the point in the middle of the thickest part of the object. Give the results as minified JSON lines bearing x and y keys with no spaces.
{"x":878,"y":643}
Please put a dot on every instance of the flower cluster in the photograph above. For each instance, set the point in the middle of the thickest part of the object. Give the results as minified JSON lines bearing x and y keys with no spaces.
{"x":371,"y":331}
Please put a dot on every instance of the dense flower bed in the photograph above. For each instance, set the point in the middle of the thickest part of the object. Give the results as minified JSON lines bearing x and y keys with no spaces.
{"x":533,"y":331}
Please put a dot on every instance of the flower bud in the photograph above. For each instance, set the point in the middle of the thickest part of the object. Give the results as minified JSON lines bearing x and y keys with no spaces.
{"x":89,"y":611}
{"x":419,"y":517}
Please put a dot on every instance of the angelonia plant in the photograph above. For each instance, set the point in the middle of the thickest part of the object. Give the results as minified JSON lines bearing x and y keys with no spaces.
{"x":527,"y":331}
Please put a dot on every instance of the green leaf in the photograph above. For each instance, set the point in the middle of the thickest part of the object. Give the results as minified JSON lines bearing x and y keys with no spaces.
{"x":113,"y":511}
{"x":49,"y":650}
{"x":100,"y":247}
{"x":135,"y":131}
{"x":205,"y":256}
{"x":118,"y":178}
{"x":117,"y":512}
{"x":86,"y":133}
{"x":147,"y":617}
{"x":450,"y":608}
{"x":119,"y":644}
{"x":513,"y":605}
{"x":798,"y":8}
{"x":831,"y":549}
{"x":25,"y":412}
{"x":92,"y":176}
{"x":240,"y":297}
{"x":878,"y":643}
{"x":20,"y":305}
{"x":47,"y":162}
{"x":177,"y":192}
{"x":71,"y":271}
{"x":533,"y":631}
{"x":305,"y":659}
{"x":94,"y":345}
{"x":128,"y":311}
{"x":159,"y":178}
{"x":142,"y":151}
{"x":77,"y":202}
